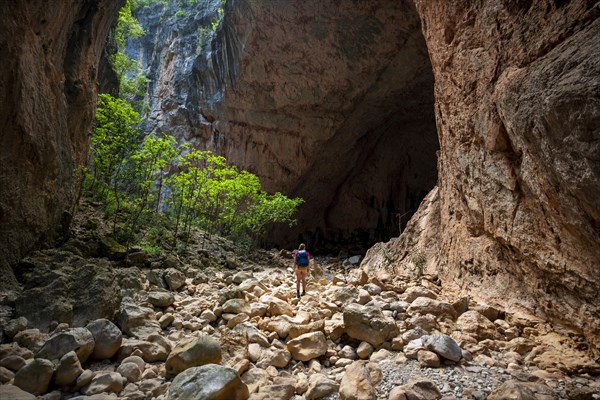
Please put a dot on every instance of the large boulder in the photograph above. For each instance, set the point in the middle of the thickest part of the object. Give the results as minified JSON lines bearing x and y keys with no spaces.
{"x":68,"y":370}
{"x":66,"y":288}
{"x":276,"y":306}
{"x":174,"y":278}
{"x":130,"y":371}
{"x":253,"y":334}
{"x":35,"y":376}
{"x":300,"y":329}
{"x":513,"y":389}
{"x":308,"y":346}
{"x":368,"y":324}
{"x":416,"y":388}
{"x":161,"y":298}
{"x":413,"y":292}
{"x":344,"y":294}
{"x":256,"y":378}
{"x":200,"y":351}
{"x":151,"y":351}
{"x":279,"y":392}
{"x":79,"y":340}
{"x":137,"y":321}
{"x":476,"y":325}
{"x":320,"y":386}
{"x":358,"y":383}
{"x":278,"y":358}
{"x":14,"y":326}
{"x":104,"y":382}
{"x":443,"y":345}
{"x":236,"y":306}
{"x":208,"y":382}
{"x":427,"y":305}
{"x":31,"y":339}
{"x":107,"y":338}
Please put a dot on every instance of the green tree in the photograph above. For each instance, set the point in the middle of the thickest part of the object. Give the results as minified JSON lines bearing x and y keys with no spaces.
{"x":127,"y":26}
{"x":222,"y":199}
{"x":185,"y":188}
{"x":150,"y":163}
{"x":114,"y":141}
{"x":270,"y":209}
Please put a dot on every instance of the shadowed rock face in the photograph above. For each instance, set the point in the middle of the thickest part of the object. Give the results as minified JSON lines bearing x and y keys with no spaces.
{"x":329,"y":101}
{"x":516,"y":219}
{"x":50,"y":55}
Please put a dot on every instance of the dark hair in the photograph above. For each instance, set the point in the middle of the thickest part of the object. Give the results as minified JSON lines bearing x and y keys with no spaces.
{"x":301,"y":247}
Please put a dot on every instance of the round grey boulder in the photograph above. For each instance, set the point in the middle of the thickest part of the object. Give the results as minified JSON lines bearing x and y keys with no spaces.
{"x":208,"y":382}
{"x":107,"y":338}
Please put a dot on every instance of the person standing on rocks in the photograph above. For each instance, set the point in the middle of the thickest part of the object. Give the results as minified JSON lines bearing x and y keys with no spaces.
{"x":301,"y":268}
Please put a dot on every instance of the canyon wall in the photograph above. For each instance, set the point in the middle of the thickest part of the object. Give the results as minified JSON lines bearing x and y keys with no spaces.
{"x":50,"y":55}
{"x":328,"y":101}
{"x":516,"y":217}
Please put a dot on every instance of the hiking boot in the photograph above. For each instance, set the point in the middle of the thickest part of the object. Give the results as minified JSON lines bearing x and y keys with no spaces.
{"x":298,"y":294}
{"x":303,"y":293}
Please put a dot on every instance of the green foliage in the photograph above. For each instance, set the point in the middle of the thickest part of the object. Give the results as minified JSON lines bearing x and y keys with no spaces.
{"x":131,"y":88}
{"x":114,"y":139}
{"x":418,"y":259}
{"x":217,"y":21}
{"x":113,"y":143}
{"x":132,"y":82}
{"x":203,"y":35}
{"x":181,"y":13}
{"x":152,"y":250}
{"x":222,"y":199}
{"x":156,"y":184}
{"x":137,"y":4}
{"x":122,"y":64}
{"x":219,"y":17}
{"x":150,"y":164}
{"x":127,"y":26}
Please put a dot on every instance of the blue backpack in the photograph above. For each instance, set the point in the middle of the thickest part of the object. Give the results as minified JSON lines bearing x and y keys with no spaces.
{"x":302,"y":258}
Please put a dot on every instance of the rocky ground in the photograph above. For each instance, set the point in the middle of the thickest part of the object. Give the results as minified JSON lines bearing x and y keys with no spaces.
{"x":217,"y":322}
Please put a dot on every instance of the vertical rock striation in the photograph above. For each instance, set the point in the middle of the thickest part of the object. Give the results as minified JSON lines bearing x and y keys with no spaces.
{"x":50,"y":54}
{"x":516,"y":217}
{"x":329,"y":101}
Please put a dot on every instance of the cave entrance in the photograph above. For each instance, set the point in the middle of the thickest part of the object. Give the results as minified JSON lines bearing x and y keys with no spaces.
{"x":339,"y":110}
{"x":370,"y":177}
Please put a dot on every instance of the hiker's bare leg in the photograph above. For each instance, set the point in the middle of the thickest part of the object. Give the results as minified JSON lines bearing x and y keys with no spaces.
{"x":298,"y":275}
{"x":304,"y":281}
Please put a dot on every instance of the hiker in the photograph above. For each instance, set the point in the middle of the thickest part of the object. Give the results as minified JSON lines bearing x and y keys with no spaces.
{"x":301,"y":268}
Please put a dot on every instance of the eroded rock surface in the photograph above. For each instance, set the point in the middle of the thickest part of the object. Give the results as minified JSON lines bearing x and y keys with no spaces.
{"x":515,"y":217}
{"x":50,"y":57}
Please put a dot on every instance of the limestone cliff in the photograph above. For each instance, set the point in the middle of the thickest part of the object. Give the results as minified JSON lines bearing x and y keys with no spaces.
{"x":516,"y":218}
{"x":329,"y":101}
{"x":48,"y":69}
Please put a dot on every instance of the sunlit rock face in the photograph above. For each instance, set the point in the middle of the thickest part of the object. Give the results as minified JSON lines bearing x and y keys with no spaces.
{"x":328,"y":101}
{"x":48,"y":67}
{"x":516,"y":217}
